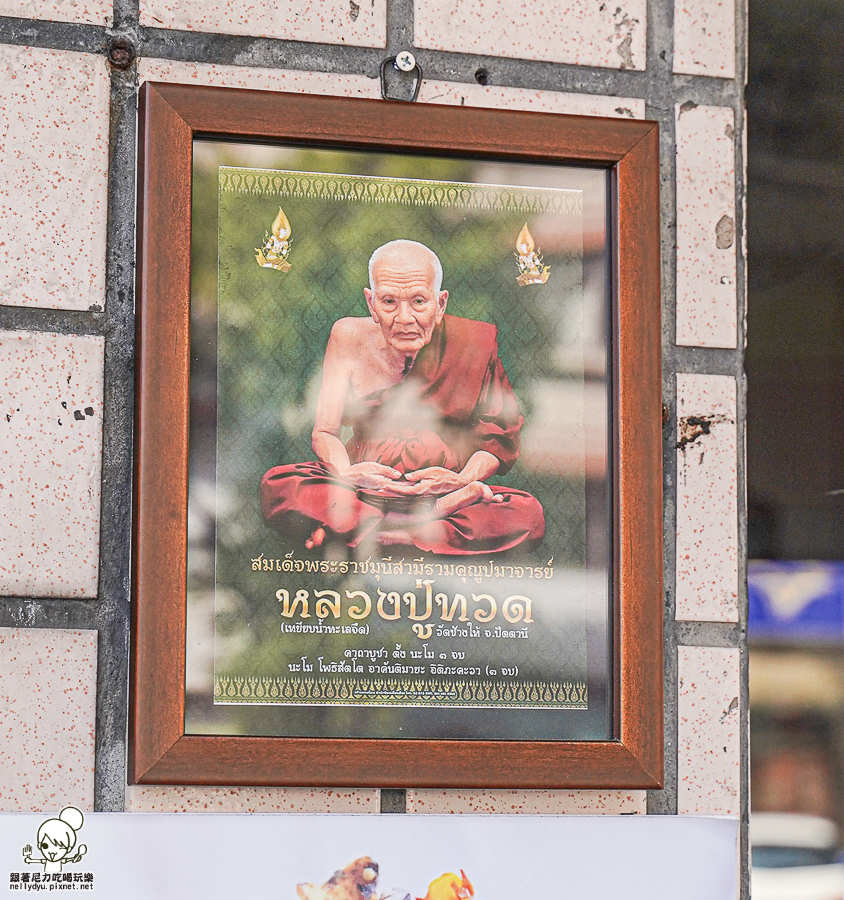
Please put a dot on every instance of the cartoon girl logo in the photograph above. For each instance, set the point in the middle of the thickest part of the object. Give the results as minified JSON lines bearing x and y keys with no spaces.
{"x":57,"y":840}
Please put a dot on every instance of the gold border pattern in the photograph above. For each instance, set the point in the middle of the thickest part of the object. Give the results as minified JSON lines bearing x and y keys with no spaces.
{"x":399,"y":692}
{"x":403,"y":191}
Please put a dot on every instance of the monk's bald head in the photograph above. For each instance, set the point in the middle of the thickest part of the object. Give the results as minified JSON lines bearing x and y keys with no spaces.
{"x":401,"y":255}
{"x":404,"y":297}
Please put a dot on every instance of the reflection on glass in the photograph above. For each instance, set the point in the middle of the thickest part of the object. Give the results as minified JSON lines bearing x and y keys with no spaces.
{"x":404,"y":532}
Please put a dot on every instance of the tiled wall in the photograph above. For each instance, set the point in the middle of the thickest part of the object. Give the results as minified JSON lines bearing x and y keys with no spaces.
{"x":67,"y":151}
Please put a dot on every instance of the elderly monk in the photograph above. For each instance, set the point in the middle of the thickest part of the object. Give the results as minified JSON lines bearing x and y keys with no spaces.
{"x":432,"y":415}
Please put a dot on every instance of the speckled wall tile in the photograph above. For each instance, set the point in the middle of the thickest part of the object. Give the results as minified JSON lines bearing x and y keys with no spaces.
{"x":432,"y":800}
{"x":565,"y":31}
{"x":361,"y":24}
{"x":708,"y":747}
{"x":258,"y":79}
{"x":51,"y":418}
{"x":707,"y":514}
{"x":496,"y":97}
{"x":706,"y":226}
{"x":48,"y":694}
{"x":144,"y":798}
{"x":705,"y":37}
{"x":53,"y":185}
{"x":91,"y":12}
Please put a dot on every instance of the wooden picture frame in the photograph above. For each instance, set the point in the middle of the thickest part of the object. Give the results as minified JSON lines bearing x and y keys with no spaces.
{"x":171,"y":118}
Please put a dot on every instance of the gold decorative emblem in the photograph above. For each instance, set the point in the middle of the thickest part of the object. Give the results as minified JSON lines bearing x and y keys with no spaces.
{"x":531,"y":269}
{"x":274,"y":253}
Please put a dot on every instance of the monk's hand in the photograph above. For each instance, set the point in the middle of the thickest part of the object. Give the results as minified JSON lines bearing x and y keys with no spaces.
{"x":473,"y":492}
{"x":434,"y":482}
{"x":371,"y":476}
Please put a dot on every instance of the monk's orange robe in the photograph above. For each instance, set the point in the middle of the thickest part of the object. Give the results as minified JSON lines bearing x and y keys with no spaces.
{"x":454,"y":401}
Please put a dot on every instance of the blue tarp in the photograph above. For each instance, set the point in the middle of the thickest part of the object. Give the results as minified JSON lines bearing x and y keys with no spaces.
{"x":796,"y":600}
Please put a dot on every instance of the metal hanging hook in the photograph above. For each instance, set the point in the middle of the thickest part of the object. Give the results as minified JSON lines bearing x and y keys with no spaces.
{"x":404,"y":62}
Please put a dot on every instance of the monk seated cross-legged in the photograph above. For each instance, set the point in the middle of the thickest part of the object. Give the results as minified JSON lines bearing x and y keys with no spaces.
{"x":432,"y":415}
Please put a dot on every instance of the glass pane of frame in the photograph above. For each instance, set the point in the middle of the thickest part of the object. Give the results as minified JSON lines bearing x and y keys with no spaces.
{"x":400,"y":501}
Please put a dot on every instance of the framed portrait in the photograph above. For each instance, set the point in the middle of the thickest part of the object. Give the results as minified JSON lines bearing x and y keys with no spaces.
{"x":398,"y":487}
